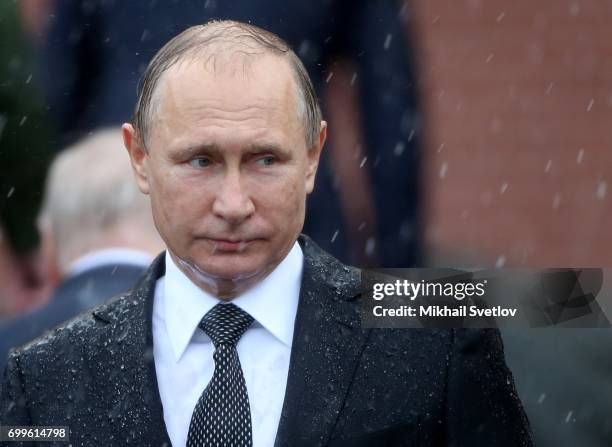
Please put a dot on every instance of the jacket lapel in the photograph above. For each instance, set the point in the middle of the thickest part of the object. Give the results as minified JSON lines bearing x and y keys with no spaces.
{"x":327,"y":344}
{"x":137,"y":413}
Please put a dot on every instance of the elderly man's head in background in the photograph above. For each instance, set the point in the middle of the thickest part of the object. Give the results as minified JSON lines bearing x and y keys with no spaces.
{"x":226,"y":139}
{"x":92,"y":203}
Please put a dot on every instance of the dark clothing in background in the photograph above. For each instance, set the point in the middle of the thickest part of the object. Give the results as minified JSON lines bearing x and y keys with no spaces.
{"x":75,"y":295}
{"x":97,"y":51}
{"x":346,"y":386}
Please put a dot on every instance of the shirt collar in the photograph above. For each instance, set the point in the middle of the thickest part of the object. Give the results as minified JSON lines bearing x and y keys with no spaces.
{"x":272,"y":302}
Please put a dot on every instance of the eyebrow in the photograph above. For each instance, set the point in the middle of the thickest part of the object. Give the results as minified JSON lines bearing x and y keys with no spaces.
{"x":192,"y":151}
{"x":258,"y":148}
{"x":214,"y":150}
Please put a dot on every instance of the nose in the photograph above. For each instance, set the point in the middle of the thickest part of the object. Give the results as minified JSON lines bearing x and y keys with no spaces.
{"x":232,"y":201}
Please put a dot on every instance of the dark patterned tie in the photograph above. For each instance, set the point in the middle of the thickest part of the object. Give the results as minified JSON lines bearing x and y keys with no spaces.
{"x":222,"y":416}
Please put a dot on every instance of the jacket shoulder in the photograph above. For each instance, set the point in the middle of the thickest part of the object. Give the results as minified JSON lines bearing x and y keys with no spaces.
{"x":322,"y":270}
{"x":84,"y":329}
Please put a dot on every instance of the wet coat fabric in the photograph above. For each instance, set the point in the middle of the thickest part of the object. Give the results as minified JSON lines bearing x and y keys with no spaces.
{"x":74,"y":295}
{"x":347,"y":386}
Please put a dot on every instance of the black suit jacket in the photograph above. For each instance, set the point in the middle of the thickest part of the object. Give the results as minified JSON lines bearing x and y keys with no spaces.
{"x":74,"y":295}
{"x":347,"y":386}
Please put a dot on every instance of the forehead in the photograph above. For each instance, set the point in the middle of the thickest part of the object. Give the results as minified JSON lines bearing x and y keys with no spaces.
{"x":256,"y":93}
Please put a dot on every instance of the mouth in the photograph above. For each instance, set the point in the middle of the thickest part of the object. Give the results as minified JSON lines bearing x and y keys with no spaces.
{"x":230,"y":245}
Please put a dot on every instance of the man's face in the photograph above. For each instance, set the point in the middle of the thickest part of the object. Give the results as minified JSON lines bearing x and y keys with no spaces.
{"x":227,"y":169}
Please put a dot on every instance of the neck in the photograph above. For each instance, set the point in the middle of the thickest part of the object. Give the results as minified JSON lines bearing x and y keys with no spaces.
{"x":225,"y":289}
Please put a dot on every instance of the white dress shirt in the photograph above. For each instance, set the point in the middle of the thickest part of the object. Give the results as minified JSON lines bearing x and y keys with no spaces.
{"x":183,"y":353}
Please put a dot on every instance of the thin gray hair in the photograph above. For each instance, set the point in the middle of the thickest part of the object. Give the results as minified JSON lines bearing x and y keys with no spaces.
{"x":225,"y":35}
{"x":90,"y":190}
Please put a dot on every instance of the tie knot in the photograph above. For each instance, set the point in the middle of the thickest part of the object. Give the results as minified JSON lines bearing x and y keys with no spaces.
{"x":225,"y":323}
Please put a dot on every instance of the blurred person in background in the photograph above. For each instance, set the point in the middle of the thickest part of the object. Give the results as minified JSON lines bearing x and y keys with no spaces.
{"x":34,"y":16}
{"x":97,"y":235}
{"x":364,"y":210}
{"x":24,"y":157}
{"x":12,"y":291}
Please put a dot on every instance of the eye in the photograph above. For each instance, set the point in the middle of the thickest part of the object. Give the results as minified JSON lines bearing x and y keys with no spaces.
{"x":267,"y":160}
{"x":200,"y":162}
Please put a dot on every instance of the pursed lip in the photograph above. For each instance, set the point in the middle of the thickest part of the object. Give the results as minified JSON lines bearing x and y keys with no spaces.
{"x":230,"y":244}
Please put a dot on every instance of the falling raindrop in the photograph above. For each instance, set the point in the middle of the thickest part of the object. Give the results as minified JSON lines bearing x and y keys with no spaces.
{"x":370,"y":246}
{"x":556,"y":201}
{"x":399,"y":148}
{"x":541,"y":398}
{"x":569,"y":416}
{"x":590,"y":106}
{"x":333,"y":239}
{"x":443,"y":170}
{"x":580,"y":156}
{"x":501,"y":16}
{"x":23,"y":120}
{"x":388,"y":40}
{"x":500,"y":262}
{"x":549,"y":88}
{"x":548,"y":166}
{"x":602,"y":189}
{"x":304,"y":47}
{"x":503,"y":188}
{"x":363,"y":162}
{"x":329,"y":76}
{"x":10,"y":193}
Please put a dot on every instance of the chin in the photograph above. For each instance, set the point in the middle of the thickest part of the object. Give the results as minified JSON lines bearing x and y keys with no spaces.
{"x":231,"y":270}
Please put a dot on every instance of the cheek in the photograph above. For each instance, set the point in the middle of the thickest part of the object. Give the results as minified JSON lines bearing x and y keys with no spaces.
{"x":174,"y":202}
{"x":284,"y":199}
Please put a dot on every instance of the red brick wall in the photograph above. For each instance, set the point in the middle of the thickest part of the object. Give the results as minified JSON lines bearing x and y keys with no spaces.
{"x":518,"y":155}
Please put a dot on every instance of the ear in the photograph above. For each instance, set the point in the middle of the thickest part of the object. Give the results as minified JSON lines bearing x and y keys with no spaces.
{"x":314,"y":154}
{"x":138,"y":156}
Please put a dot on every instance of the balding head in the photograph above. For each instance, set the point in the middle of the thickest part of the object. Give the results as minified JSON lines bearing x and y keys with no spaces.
{"x":92,"y":202}
{"x":225,"y":45}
